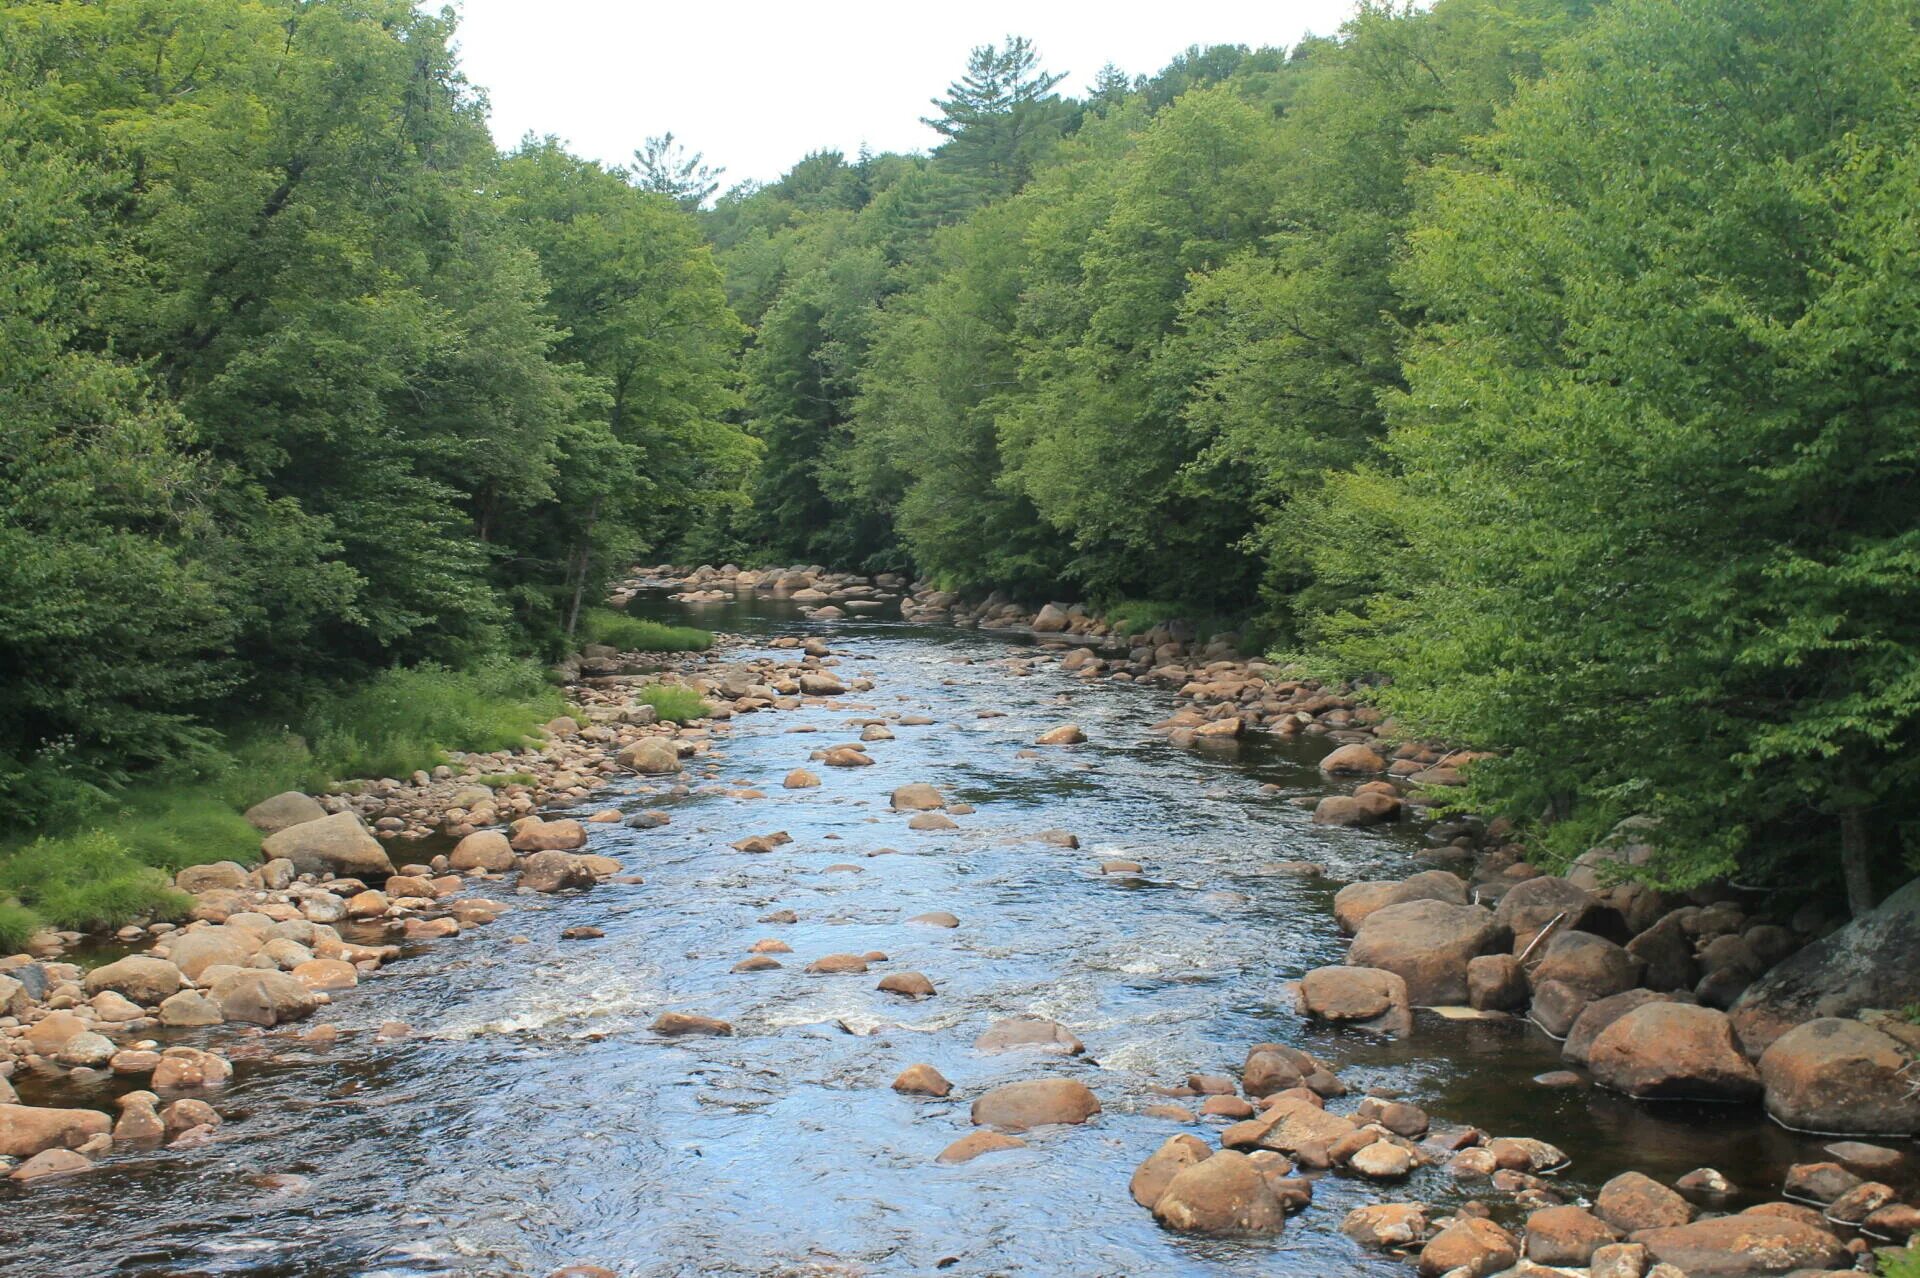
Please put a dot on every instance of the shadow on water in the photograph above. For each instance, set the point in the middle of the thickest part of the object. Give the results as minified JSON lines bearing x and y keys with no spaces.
{"x":533,"y":1120}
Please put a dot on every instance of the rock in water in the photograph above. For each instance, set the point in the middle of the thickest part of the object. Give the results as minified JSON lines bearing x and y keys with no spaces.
{"x":1673,"y":1051}
{"x":1037,"y":1102}
{"x":337,"y":844}
{"x":1840,"y":1076}
{"x":1227,"y":1194}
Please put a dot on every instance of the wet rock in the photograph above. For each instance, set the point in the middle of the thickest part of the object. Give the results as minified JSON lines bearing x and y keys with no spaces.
{"x":262,"y":998}
{"x":1472,"y":1247}
{"x":1353,"y":903}
{"x":139,"y":1123}
{"x":1529,"y":906}
{"x":1840,"y":1076}
{"x":1029,"y":1032}
{"x":932,"y":821}
{"x":1065,"y":734}
{"x":1631,"y":1202}
{"x":758,"y":963}
{"x":1668,"y":955}
{"x":185,"y":1115}
{"x":270,"y":816}
{"x":535,"y":835}
{"x":1225,"y":1195}
{"x":838,"y":965}
{"x":26,"y":1130}
{"x":917,"y":797}
{"x":1366,"y":997}
{"x":1035,"y":1103}
{"x":86,"y":1050}
{"x":1704,"y":1181}
{"x":935,"y":918}
{"x":1398,"y":1117}
{"x":1896,"y":1220}
{"x":1596,"y":1016}
{"x":1673,"y":1050}
{"x":1619,"y":1260}
{"x":555,"y":871}
{"x":1556,"y":1006}
{"x":195,"y":951}
{"x":1819,"y":1182}
{"x":1381,"y":1160}
{"x":1429,"y":944}
{"x":846,"y":757}
{"x":328,"y":975}
{"x":49,"y":1165}
{"x":1352,"y":760}
{"x":139,"y":977}
{"x":1496,"y":983}
{"x":1151,"y":1177}
{"x":187,"y":1069}
{"x":1387,"y":1226}
{"x":1566,"y":1236}
{"x":1524,"y":1154}
{"x":486,"y":850}
{"x":1121,"y":867}
{"x":801,"y":779}
{"x":1735,"y":1246}
{"x":907,"y":984}
{"x":684,"y":1024}
{"x":922,"y":1080}
{"x":650,"y":756}
{"x":190,"y":1008}
{"x":336,"y":844}
{"x":1860,"y":1202}
{"x":1295,"y":1127}
{"x":1592,"y":965}
{"x":1872,"y":1160}
{"x":1227,"y":1107}
{"x":974,"y":1144}
{"x":218,"y":875}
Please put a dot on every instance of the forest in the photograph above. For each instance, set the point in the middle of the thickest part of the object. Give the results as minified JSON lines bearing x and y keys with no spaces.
{"x":1547,"y":367}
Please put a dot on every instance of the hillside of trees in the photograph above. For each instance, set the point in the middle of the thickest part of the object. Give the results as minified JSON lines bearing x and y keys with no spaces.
{"x":1546,"y":365}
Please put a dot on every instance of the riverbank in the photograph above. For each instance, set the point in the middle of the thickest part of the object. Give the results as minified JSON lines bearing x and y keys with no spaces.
{"x":1091,"y":885}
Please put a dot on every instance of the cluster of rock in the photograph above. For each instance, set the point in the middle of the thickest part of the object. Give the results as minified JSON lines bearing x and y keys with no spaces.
{"x":823,"y":593}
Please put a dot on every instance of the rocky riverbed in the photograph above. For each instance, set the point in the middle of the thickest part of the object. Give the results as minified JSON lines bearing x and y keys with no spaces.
{"x":924,"y":942}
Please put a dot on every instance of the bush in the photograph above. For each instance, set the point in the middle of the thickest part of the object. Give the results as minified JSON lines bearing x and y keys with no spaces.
{"x":495,"y":780}
{"x":87,"y":880}
{"x":17,"y":923}
{"x":673,"y":703}
{"x":407,"y":719}
{"x":635,"y":634}
{"x":171,"y":831}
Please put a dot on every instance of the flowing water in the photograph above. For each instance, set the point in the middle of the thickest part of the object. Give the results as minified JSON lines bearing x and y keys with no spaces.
{"x":532,"y":1120}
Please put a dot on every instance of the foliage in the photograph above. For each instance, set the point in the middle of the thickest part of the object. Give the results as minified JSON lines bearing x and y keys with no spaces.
{"x":1902,"y":1263}
{"x":407,"y":719}
{"x":674,"y":703}
{"x":87,"y":880}
{"x":635,"y":634}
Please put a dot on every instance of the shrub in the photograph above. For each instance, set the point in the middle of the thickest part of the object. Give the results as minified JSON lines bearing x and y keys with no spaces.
{"x":635,"y":634}
{"x":17,"y":923}
{"x":673,"y":703}
{"x":495,"y":780}
{"x":406,"y":719}
{"x":171,"y":830}
{"x":88,"y":880}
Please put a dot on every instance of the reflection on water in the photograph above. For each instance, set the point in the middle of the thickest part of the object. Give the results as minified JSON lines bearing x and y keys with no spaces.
{"x":533,"y":1121}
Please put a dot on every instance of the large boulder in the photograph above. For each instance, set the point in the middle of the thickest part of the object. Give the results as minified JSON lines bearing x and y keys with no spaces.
{"x":1429,"y":944}
{"x":1051,"y":619}
{"x":1366,"y":997}
{"x":25,"y":1130}
{"x":1353,"y":760}
{"x":141,"y":977}
{"x":229,"y":876}
{"x":1151,"y":1177}
{"x":917,"y":797}
{"x":1840,"y":1076}
{"x":1873,"y":961}
{"x":1037,"y":1102}
{"x":270,"y":816}
{"x":536,"y":835}
{"x":651,"y":756}
{"x":195,"y":951}
{"x":1228,"y":1194}
{"x":483,"y":850}
{"x":1673,"y":1050}
{"x":1631,"y":1202}
{"x":1354,"y":902}
{"x":256,"y":996}
{"x":1736,"y":1246}
{"x":1599,"y":1014}
{"x":1592,"y":965}
{"x":1469,"y":1246}
{"x":555,"y":871}
{"x":1566,"y":1236}
{"x":1530,"y":905}
{"x":336,"y":844}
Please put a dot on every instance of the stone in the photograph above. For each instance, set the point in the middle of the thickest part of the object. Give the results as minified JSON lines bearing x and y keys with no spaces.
{"x":258,"y":997}
{"x":195,"y":951}
{"x":1596,"y":1016}
{"x":1840,"y":1076}
{"x":1387,"y":1226}
{"x":1618,"y":1260}
{"x":1591,"y":965}
{"x":935,"y":918}
{"x":26,"y":1130}
{"x":1529,"y":906}
{"x":846,"y":757}
{"x":1705,"y":1182}
{"x":839,"y":965}
{"x":1566,"y":1236}
{"x":185,"y":1115}
{"x":1367,"y":997}
{"x":139,"y":1123}
{"x":907,"y":984}
{"x":49,"y":1165}
{"x":1051,"y":619}
{"x":187,"y":1068}
{"x":932,"y":821}
{"x":1668,"y":955}
{"x":1224,"y":1195}
{"x":1382,"y":1160}
{"x":1838,"y":975}
{"x":922,"y":1080}
{"x":88,"y":1050}
{"x":1354,"y":902}
{"x":1524,"y":1154}
{"x":1065,"y":734}
{"x":1496,"y":983}
{"x":1735,"y":1246}
{"x":1353,"y":760}
{"x":336,"y":844}
{"x":917,"y":797}
{"x":801,"y":779}
{"x":1872,"y":1160}
{"x":535,"y":835}
{"x":1819,"y":1182}
{"x":140,"y":977}
{"x":1631,"y":1202}
{"x":228,"y":876}
{"x":326,"y":974}
{"x":1028,"y":1032}
{"x":486,"y":850}
{"x":270,"y":816}
{"x":1860,"y":1202}
{"x":188,"y":1009}
{"x":1295,"y":1127}
{"x":1356,"y":810}
{"x":1035,"y":1103}
{"x":684,"y":1024}
{"x":1469,"y":1248}
{"x":650,"y":756}
{"x":1151,"y":1177}
{"x":974,"y":1144}
{"x":1673,"y":1051}
{"x":555,"y":871}
{"x":1429,"y":944}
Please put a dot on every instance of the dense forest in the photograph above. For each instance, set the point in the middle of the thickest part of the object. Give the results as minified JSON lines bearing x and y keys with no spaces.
{"x":1545,"y":365}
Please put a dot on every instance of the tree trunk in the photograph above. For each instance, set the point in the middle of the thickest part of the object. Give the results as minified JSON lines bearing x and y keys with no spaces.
{"x":1853,"y":861}
{"x":583,"y":559}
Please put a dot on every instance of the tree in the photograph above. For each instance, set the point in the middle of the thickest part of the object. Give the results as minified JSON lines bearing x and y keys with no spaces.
{"x":665,"y":167}
{"x":1000,"y":117}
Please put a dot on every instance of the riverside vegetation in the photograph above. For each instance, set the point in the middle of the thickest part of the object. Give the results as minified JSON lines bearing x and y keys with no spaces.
{"x":1532,"y":379}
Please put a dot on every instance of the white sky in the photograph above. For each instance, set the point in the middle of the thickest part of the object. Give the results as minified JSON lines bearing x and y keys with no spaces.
{"x":757,"y":85}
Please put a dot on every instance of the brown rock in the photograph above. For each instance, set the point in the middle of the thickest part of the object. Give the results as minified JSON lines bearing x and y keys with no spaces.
{"x":48,"y":1165}
{"x":1529,"y":906}
{"x":918,"y":797}
{"x":1672,"y":1050}
{"x":483,"y":850}
{"x":1734,"y":1246}
{"x":1065,"y":734}
{"x":1840,"y":1076}
{"x":1151,"y":1177}
{"x":25,"y":1130}
{"x":1496,"y":983}
{"x":552,"y":870}
{"x":1631,"y":1202}
{"x":1035,"y":1103}
{"x":838,"y":964}
{"x":922,"y":1080}
{"x":1590,"y":964}
{"x":1599,"y":1014}
{"x":535,"y":835}
{"x":336,"y":844}
{"x":258,"y":997}
{"x":1225,"y":1195}
{"x":1387,"y":1226}
{"x":1477,"y":1247}
{"x":909,"y":984}
{"x":139,"y":977}
{"x":974,"y":1144}
{"x":1429,"y":944}
{"x":1354,"y":902}
{"x":1352,"y":760}
{"x":683,"y":1024}
{"x":1367,"y":997}
{"x":1028,"y":1032}
{"x":1566,"y":1236}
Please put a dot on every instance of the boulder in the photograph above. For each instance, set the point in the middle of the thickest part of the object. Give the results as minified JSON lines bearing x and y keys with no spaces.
{"x":1035,"y":1103}
{"x":1356,"y":810}
{"x":482,"y":850}
{"x":974,"y":1144}
{"x":1566,"y":1236}
{"x":258,"y":997}
{"x":1065,"y":734}
{"x":1353,"y":760}
{"x":1589,"y":964}
{"x":195,"y":951}
{"x":1367,"y":997}
{"x":49,"y":1165}
{"x":1051,"y":619}
{"x":650,"y":756}
{"x":922,"y":1080}
{"x":1429,"y":944}
{"x":215,"y":876}
{"x":1530,"y":905}
{"x":1668,"y":955}
{"x":1292,"y":1126}
{"x":336,"y":844}
{"x":685,"y":1024}
{"x":1225,"y":1195}
{"x":1873,"y":961}
{"x":555,"y":871}
{"x":25,"y":1130}
{"x":917,"y":797}
{"x":1599,"y":1014}
{"x":290,"y":808}
{"x":1631,"y":1202}
{"x":1735,"y":1246}
{"x":1387,"y":1225}
{"x":1469,"y":1248}
{"x":535,"y":835}
{"x":1840,"y":1076}
{"x":1151,"y":1177}
{"x":1028,"y":1032}
{"x":1673,"y":1051}
{"x":190,"y":1009}
{"x":140,"y":977}
{"x":1354,"y":902}
{"x":1496,"y":983}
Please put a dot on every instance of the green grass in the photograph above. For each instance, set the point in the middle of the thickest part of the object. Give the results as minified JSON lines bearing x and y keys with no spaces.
{"x":675,"y":704}
{"x":83,"y":881}
{"x":404,"y":720}
{"x":634,"y":634}
{"x":1902,"y":1264}
{"x":493,"y":781}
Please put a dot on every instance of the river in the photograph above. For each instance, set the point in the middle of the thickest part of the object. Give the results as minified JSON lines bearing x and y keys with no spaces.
{"x":532,"y":1120}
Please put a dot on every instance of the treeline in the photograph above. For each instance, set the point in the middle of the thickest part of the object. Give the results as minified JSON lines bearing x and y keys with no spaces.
{"x":1548,"y":363}
{"x":302,"y":379}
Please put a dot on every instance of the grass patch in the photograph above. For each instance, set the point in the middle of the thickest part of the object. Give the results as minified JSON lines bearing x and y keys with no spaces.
{"x":1137,"y":616}
{"x":405,"y":720}
{"x":87,"y":880}
{"x":673,"y":703}
{"x":493,"y":781}
{"x":635,"y":634}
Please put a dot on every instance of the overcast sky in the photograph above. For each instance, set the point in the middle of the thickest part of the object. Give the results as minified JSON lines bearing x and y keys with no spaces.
{"x":757,"y":85}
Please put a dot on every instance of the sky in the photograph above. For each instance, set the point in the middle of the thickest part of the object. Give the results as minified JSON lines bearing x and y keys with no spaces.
{"x":755,"y":86}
